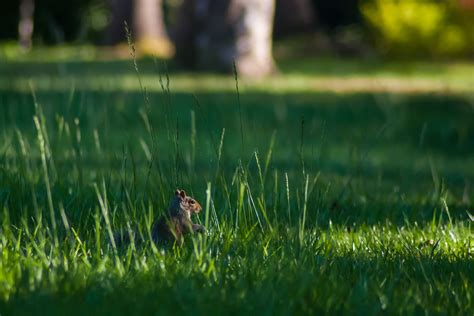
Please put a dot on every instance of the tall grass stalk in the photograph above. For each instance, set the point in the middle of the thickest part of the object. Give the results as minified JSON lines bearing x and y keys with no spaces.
{"x":193,"y":137}
{"x":236,"y":78}
{"x":288,"y":204}
{"x":207,"y":209}
{"x":302,"y":222}
{"x":42,"y":147}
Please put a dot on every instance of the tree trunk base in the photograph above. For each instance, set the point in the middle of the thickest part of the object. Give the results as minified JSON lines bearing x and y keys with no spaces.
{"x":215,"y":34}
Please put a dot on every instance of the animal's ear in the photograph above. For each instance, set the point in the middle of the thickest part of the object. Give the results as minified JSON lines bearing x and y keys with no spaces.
{"x":182,"y":193}
{"x":177,"y":192}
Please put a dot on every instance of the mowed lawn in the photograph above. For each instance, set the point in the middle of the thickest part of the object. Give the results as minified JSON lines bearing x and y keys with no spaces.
{"x":338,"y":186}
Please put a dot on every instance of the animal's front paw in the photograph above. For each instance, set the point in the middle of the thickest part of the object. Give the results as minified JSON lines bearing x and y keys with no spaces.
{"x":199,"y":228}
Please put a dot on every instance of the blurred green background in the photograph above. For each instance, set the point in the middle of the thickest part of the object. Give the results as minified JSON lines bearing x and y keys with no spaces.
{"x":402,"y":28}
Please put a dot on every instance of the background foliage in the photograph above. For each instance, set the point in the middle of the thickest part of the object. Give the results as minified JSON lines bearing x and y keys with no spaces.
{"x":402,"y":28}
{"x":420,"y":28}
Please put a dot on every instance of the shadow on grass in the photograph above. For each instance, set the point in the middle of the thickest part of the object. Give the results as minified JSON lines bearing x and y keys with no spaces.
{"x":432,"y":123}
{"x":380,"y":156}
{"x":321,"y":284}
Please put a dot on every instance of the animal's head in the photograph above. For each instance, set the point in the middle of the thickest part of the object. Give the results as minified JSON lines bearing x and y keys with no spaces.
{"x":187,"y":203}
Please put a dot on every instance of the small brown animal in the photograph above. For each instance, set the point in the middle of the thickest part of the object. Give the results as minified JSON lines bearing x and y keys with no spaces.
{"x":176,"y":222}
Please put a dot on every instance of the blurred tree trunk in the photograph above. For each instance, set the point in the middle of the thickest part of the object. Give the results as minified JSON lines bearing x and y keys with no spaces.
{"x":25,"y":26}
{"x":293,"y":16}
{"x":150,"y":28}
{"x":148,"y":19}
{"x":213,"y":34}
{"x":147,"y":25}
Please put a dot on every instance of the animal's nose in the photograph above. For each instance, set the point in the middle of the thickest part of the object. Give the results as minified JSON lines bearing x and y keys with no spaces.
{"x":198,"y":207}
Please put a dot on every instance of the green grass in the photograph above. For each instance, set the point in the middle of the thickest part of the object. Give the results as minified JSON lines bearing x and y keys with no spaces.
{"x":90,"y":68}
{"x":353,"y":201}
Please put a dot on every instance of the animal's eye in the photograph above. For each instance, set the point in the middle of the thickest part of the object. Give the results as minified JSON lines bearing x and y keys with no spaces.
{"x":191,"y":202}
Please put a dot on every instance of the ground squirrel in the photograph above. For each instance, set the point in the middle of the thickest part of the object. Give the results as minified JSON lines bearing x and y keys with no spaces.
{"x":177,"y":222}
{"x":173,"y":224}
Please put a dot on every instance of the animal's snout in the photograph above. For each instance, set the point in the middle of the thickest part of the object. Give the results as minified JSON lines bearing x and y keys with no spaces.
{"x":197,"y":207}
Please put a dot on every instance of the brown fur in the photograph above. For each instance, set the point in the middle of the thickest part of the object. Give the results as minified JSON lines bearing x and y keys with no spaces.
{"x":176,"y":222}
